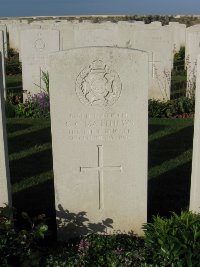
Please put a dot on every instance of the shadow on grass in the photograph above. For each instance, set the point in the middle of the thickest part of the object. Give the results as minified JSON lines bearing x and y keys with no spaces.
{"x":27,"y":140}
{"x":170,"y":146}
{"x":32,"y":165}
{"x":72,"y":225}
{"x":15,"y":127}
{"x":153,"y":128}
{"x":169,"y":191}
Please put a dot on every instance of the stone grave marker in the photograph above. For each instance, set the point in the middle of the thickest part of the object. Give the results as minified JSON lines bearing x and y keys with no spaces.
{"x":5,"y":41}
{"x":195,"y":178}
{"x":35,"y":47}
{"x":5,"y":194}
{"x":2,"y":51}
{"x":95,"y":34}
{"x":157,"y":41}
{"x":192,"y":50}
{"x":99,"y":120}
{"x":179,"y":35}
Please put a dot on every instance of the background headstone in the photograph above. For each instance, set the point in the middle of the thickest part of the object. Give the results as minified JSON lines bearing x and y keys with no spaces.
{"x":195,"y":179}
{"x":157,"y":41}
{"x":35,"y":47}
{"x":3,"y":71}
{"x":99,"y":139}
{"x":5,"y":192}
{"x":192,"y":50}
{"x":92,"y":34}
{"x":5,"y":41}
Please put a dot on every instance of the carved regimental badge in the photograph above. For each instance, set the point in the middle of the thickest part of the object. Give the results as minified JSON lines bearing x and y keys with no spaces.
{"x":98,"y":85}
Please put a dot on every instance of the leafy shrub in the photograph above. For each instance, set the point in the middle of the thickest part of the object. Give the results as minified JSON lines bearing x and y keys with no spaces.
{"x":179,"y":75}
{"x":35,"y":106}
{"x":181,"y":107}
{"x":18,"y":246}
{"x":13,"y":65}
{"x":101,"y":250}
{"x":174,"y":241}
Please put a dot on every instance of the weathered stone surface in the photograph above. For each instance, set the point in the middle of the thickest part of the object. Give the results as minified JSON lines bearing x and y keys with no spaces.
{"x":5,"y":195}
{"x":35,"y":47}
{"x":2,"y":51}
{"x":195,"y":179}
{"x":5,"y":41}
{"x":191,"y":52}
{"x":91,"y":34}
{"x":157,"y":41}
{"x":99,"y":139}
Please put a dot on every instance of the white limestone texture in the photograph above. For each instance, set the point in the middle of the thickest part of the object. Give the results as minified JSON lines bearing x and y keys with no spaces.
{"x":5,"y":187}
{"x":153,"y":38}
{"x":195,"y":178}
{"x":5,"y":41}
{"x":179,"y":35}
{"x":92,"y":34}
{"x":36,"y":44}
{"x":157,"y":41}
{"x":191,"y":53}
{"x":99,"y":139}
{"x":14,"y":29}
{"x":2,"y":51}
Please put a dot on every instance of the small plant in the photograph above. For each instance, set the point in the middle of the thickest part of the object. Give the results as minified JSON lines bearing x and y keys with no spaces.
{"x":35,"y":106}
{"x":101,"y":250}
{"x":174,"y":241}
{"x":45,"y":79}
{"x":44,"y":85}
{"x":18,"y":247}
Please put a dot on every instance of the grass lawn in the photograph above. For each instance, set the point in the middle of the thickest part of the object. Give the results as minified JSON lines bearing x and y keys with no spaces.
{"x":14,"y":84}
{"x":30,"y":155}
{"x":14,"y":80}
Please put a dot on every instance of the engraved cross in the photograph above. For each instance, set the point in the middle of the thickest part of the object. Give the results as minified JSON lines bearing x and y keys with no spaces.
{"x":101,"y":168}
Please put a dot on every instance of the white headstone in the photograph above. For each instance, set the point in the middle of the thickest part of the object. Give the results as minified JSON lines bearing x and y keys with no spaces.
{"x":35,"y":47}
{"x":5,"y":194}
{"x":179,"y":34}
{"x":5,"y":44}
{"x":99,"y":139}
{"x":95,"y":34}
{"x":2,"y":51}
{"x":191,"y":52}
{"x":195,"y":179}
{"x":14,"y":28}
{"x":157,"y":41}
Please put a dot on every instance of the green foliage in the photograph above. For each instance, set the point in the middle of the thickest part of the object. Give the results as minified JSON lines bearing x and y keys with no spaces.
{"x":18,"y":246}
{"x":101,"y":250}
{"x":35,"y":106}
{"x":174,"y":241}
{"x":13,"y":65}
{"x":181,"y":107}
{"x":179,"y":75}
{"x":45,"y":79}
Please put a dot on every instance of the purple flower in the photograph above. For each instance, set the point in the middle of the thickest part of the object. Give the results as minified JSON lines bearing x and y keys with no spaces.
{"x":83,"y":245}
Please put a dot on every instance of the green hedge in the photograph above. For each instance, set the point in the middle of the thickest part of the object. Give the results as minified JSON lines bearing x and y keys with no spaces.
{"x":177,"y":108}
